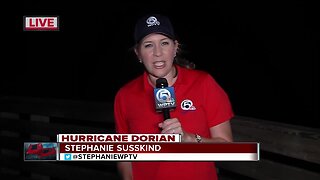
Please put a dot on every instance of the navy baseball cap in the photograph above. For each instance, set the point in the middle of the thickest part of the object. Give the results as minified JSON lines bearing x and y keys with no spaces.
{"x":154,"y":23}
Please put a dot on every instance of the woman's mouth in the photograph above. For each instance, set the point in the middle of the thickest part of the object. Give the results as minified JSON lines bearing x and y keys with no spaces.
{"x":159,"y":64}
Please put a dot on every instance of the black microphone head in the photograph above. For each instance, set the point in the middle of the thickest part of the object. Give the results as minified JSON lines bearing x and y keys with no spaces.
{"x":161,"y":83}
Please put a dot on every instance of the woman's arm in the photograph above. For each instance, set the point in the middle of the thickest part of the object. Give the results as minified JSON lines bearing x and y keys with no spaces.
{"x":219,"y":133}
{"x":125,"y":170}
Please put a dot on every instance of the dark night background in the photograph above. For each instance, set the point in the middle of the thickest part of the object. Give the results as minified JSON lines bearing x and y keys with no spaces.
{"x":263,"y":53}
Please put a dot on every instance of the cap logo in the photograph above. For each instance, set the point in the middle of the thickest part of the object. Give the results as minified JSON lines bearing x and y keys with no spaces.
{"x":151,"y":21}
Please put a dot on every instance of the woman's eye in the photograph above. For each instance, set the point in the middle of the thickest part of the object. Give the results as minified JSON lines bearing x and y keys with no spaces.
{"x":164,"y":43}
{"x":147,"y":45}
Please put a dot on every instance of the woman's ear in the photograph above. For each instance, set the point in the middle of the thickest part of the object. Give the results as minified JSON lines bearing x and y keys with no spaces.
{"x":136,"y":51}
{"x":138,"y":55}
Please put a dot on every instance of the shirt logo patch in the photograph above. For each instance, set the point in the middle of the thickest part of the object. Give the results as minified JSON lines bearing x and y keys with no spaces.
{"x":187,"y":105}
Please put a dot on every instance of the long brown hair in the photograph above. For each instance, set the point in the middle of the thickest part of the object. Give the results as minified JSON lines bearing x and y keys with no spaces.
{"x":182,"y":61}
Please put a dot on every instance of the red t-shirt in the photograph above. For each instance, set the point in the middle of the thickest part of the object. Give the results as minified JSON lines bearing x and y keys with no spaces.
{"x":201,"y":104}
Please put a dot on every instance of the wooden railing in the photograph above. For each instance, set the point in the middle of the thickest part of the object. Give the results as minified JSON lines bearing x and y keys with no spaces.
{"x":287,"y":151}
{"x":34,"y":119}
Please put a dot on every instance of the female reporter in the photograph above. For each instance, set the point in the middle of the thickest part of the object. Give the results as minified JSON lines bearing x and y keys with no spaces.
{"x":203,"y":110}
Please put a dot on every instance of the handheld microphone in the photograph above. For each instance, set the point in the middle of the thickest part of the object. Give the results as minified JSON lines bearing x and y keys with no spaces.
{"x":164,"y":97}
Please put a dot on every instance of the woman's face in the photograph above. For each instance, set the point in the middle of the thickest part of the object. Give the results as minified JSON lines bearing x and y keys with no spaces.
{"x":157,"y":53}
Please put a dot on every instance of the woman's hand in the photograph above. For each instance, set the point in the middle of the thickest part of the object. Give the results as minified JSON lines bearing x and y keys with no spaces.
{"x":173,"y":126}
